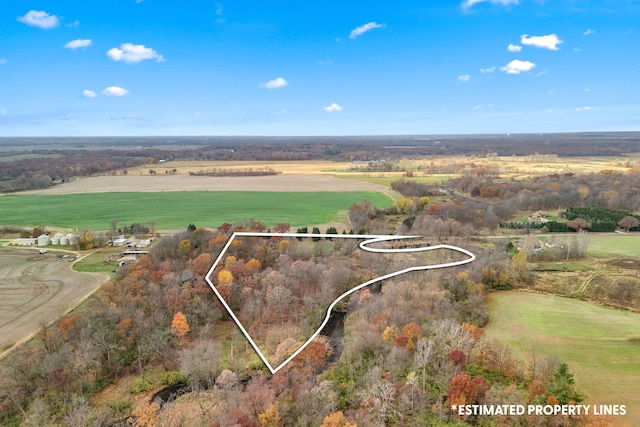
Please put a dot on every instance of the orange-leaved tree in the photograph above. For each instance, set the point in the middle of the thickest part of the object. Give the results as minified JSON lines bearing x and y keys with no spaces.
{"x":179,"y":325}
{"x":337,"y":419}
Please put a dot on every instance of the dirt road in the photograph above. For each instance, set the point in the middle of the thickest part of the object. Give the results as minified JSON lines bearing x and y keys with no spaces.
{"x":37,"y":289}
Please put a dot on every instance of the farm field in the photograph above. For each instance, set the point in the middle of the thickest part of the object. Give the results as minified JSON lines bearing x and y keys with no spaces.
{"x":508,"y":165}
{"x":36,"y":289}
{"x":176,"y":210}
{"x":614,"y":245}
{"x":157,"y":183}
{"x":601,"y":345}
{"x":303,"y":167}
{"x":386,"y":178}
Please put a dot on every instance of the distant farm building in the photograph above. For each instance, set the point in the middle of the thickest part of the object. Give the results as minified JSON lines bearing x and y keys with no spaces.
{"x":134,"y":252}
{"x":29,"y":241}
{"x":119,"y":242}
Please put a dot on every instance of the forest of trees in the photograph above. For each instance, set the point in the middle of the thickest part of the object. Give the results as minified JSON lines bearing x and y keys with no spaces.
{"x":411,"y":348}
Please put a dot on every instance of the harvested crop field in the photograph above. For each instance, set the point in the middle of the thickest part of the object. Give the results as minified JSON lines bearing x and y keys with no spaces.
{"x":37,"y":289}
{"x":155,"y":183}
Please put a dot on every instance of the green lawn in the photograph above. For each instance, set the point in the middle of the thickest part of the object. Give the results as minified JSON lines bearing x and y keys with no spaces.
{"x":176,"y":210}
{"x":100,"y":261}
{"x":614,"y":245}
{"x":600,"y":344}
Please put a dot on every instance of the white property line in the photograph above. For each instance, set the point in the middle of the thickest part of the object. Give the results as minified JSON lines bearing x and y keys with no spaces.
{"x":371,"y":239}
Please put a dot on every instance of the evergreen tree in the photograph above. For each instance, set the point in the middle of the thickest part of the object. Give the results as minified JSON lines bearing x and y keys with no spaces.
{"x":562,"y":386}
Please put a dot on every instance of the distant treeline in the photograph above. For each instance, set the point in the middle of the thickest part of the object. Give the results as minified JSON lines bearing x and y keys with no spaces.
{"x":601,"y":220}
{"x":49,"y":167}
{"x":235,"y":172}
{"x":75,"y":157}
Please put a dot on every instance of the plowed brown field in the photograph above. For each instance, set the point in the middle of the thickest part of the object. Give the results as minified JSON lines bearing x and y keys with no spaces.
{"x":37,"y":289}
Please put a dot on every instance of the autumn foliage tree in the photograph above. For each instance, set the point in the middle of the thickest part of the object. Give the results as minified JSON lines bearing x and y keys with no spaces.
{"x":179,"y":325}
{"x":465,"y":391}
{"x":579,"y":224}
{"x":270,"y":417}
{"x":337,"y":419}
{"x":628,"y":222}
{"x":413,"y":332}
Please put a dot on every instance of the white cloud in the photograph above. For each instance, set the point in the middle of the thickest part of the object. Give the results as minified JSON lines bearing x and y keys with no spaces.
{"x":134,"y":117}
{"x":480,"y":106}
{"x":75,"y":44}
{"x":75,"y":24}
{"x":40,"y":19}
{"x":3,"y":61}
{"x":219,"y":9}
{"x":89,"y":93}
{"x":464,"y":78}
{"x":589,"y":32}
{"x":115,"y":91}
{"x":466,"y":4}
{"x":332,"y":108}
{"x":134,"y":53}
{"x":487,"y":70}
{"x":514,"y":48}
{"x":550,"y":41}
{"x":516,"y":66}
{"x":584,"y":108}
{"x":275,"y":83}
{"x":364,"y":28}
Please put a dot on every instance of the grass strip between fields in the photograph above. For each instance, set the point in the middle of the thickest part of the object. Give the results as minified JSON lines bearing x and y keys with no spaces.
{"x":176,"y":210}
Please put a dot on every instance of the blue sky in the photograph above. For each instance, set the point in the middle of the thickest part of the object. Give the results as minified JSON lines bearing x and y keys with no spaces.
{"x":243,"y":67}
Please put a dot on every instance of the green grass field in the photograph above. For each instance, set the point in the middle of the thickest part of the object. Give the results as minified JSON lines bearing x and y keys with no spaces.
{"x":601,"y":345}
{"x":614,"y":246}
{"x":176,"y":210}
{"x":99,"y":262}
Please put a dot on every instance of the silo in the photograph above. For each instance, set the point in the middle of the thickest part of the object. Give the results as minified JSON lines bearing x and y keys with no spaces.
{"x":64,"y":241}
{"x":43,"y":240}
{"x":55,"y":240}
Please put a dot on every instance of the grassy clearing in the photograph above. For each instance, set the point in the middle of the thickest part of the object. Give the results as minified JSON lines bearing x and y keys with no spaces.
{"x":175,"y":210}
{"x":600,"y":344}
{"x":564,"y":266}
{"x":614,"y":245}
{"x":101,"y":261}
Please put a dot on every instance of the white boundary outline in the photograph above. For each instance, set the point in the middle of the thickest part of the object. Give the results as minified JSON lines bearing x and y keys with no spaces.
{"x":363,"y":245}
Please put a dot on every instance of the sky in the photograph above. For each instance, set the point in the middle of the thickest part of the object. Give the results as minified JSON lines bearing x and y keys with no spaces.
{"x":295,"y":68}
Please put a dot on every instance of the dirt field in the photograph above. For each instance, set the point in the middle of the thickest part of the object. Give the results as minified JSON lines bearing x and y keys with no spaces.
{"x":37,"y":289}
{"x":322,"y":175}
{"x":303,"y":167}
{"x":148,"y":183}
